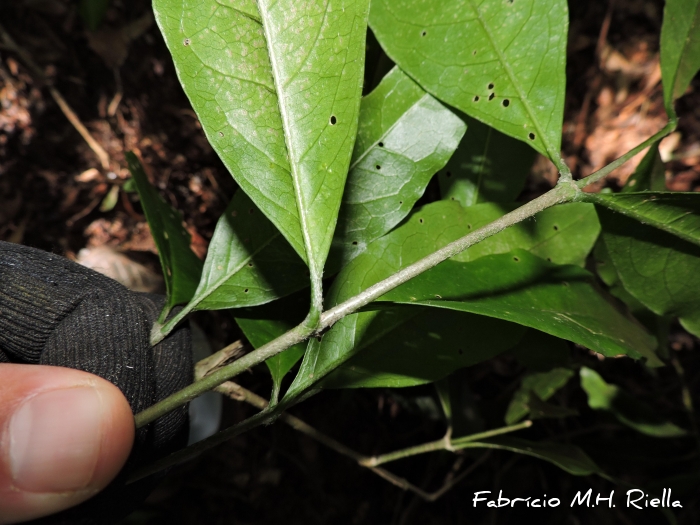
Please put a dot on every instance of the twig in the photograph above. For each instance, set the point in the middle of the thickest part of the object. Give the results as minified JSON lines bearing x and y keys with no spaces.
{"x":238,"y":393}
{"x":563,"y":192}
{"x":102,"y":155}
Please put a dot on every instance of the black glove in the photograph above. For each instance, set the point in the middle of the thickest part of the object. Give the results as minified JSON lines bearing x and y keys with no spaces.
{"x":56,"y":312}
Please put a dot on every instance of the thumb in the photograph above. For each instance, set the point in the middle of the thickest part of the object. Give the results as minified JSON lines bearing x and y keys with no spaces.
{"x":64,"y":435}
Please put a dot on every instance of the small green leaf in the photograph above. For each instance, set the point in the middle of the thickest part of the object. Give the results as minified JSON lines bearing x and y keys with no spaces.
{"x":277,"y":87}
{"x":428,"y":229}
{"x":248,"y":262}
{"x":265,"y":323}
{"x":488,"y":166}
{"x":650,"y":174}
{"x":110,"y":200}
{"x":404,"y":137}
{"x":567,"y":457}
{"x":501,"y":62}
{"x":543,"y":385}
{"x":522,"y":288}
{"x":658,"y":262}
{"x":628,"y":410}
{"x":680,"y":48}
{"x":181,"y":267}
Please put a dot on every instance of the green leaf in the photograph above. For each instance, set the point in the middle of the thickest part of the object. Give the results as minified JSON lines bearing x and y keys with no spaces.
{"x":488,"y":166}
{"x":428,"y":229}
{"x":404,"y":131}
{"x":265,"y":323}
{"x":248,"y":263}
{"x":541,"y":352}
{"x":501,"y":62}
{"x":404,"y":137}
{"x":650,"y":174}
{"x":567,"y":457}
{"x":680,"y":48}
{"x":658,"y":262}
{"x":519,"y":287}
{"x":543,"y":385}
{"x":181,"y":267}
{"x":628,"y":410}
{"x":276,"y":86}
{"x":674,"y":213}
{"x":407,"y":348}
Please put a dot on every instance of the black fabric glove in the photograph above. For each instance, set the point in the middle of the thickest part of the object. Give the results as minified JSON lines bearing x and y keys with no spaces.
{"x":56,"y":312}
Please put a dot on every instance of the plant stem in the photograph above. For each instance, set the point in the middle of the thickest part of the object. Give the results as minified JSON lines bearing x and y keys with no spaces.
{"x":442,"y":444}
{"x":563,"y":192}
{"x":604,"y":172}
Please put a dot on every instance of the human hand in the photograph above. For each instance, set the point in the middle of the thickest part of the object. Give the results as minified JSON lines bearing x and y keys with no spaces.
{"x":64,"y":435}
{"x":56,"y":312}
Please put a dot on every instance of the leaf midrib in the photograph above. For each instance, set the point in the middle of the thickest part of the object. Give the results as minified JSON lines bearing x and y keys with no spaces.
{"x":553,"y":155}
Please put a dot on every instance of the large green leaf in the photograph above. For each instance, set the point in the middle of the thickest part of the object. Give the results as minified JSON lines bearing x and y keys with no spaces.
{"x":627,"y":409}
{"x":488,"y":166}
{"x":181,"y":267}
{"x":680,"y":48}
{"x":404,"y":137}
{"x":428,"y":229}
{"x":522,"y":288}
{"x":658,"y":265}
{"x":567,"y":457}
{"x":276,"y":86}
{"x":543,"y":385}
{"x":501,"y":62}
{"x":403,"y":131}
{"x":407,"y":348}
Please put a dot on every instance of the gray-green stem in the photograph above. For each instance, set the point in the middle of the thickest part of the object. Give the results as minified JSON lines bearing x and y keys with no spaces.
{"x":563,"y":192}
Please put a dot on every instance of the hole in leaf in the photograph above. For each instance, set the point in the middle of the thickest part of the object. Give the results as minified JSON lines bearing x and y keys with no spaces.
{"x":531,"y":136}
{"x":491,"y":85}
{"x":453,"y":198}
{"x":549,"y":259}
{"x":516,"y":259}
{"x":469,"y":226}
{"x":381,"y":144}
{"x":333,"y":120}
{"x":491,"y":96}
{"x":400,"y":202}
{"x":378,"y":167}
{"x":476,"y":98}
{"x":420,"y":220}
{"x":505,"y":103}
{"x":474,"y":52}
{"x":245,"y":291}
{"x":556,"y":228}
{"x":354,"y":243}
{"x":423,"y":33}
{"x":186,"y":42}
{"x":250,"y":264}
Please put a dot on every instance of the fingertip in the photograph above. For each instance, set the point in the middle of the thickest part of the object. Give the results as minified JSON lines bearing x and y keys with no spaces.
{"x":64,"y":435}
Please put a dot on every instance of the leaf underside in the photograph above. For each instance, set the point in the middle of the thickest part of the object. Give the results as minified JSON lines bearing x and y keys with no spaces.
{"x":500,"y":62}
